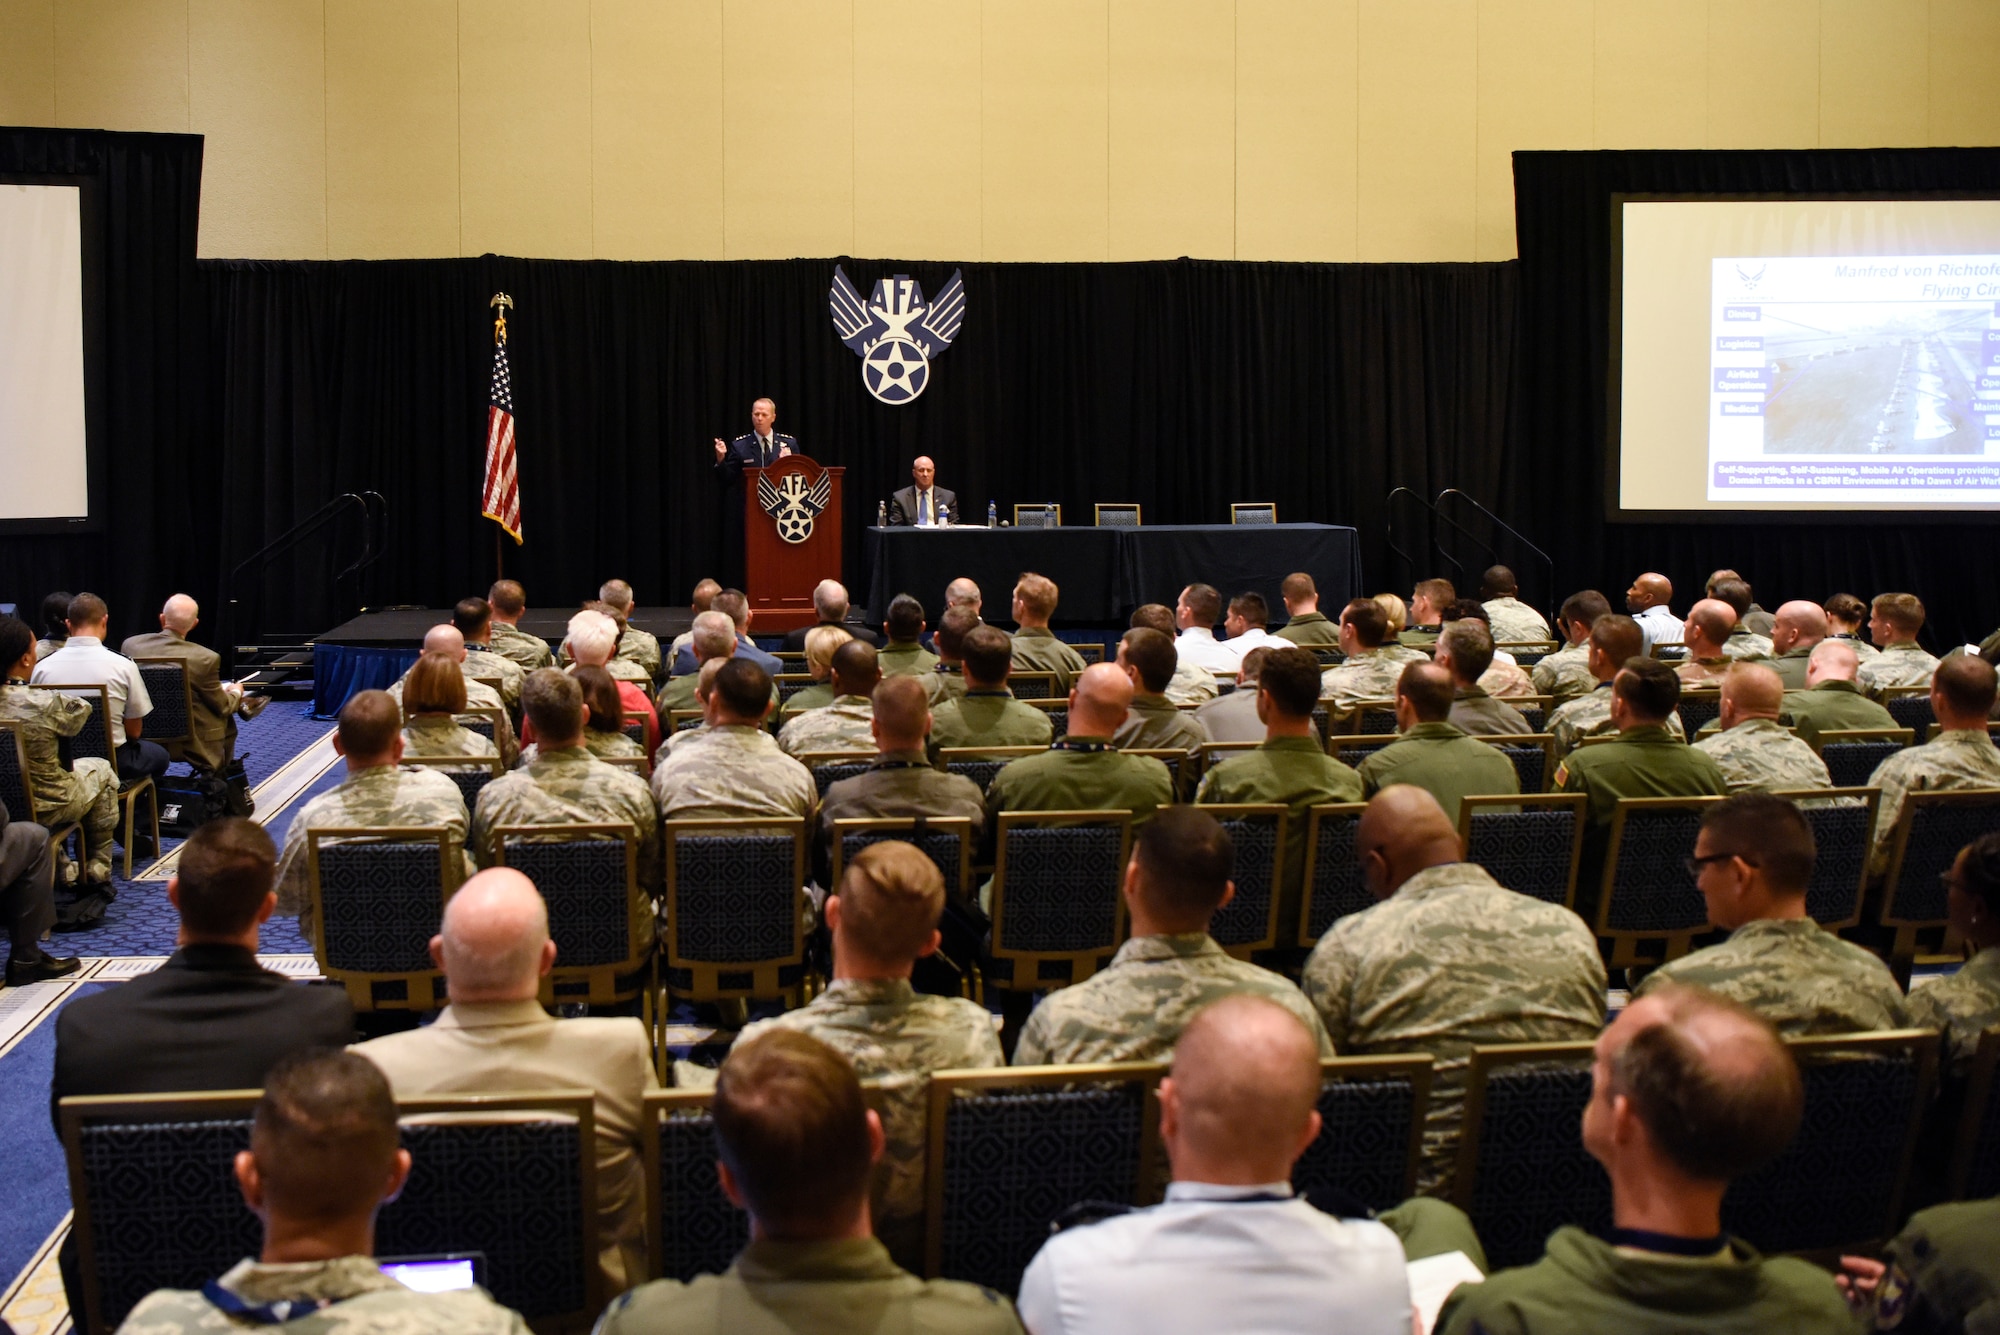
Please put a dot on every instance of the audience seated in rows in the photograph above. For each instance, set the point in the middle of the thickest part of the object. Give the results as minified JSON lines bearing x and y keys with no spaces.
{"x":798,"y":1147}
{"x":635,"y":646}
{"x":1191,"y":685}
{"x":1832,"y":701}
{"x":1961,"y":756}
{"x":714,"y":637}
{"x":962,"y":592}
{"x":1432,"y":753}
{"x":1290,"y":768}
{"x":1752,"y":862}
{"x":473,"y":619}
{"x":1502,"y":676}
{"x":1465,"y":650}
{"x":593,"y":636}
{"x":835,"y":612}
{"x":1246,"y":624}
{"x":946,"y":681}
{"x":445,"y":639}
{"x":1797,"y":629}
{"x":84,"y":791}
{"x":495,"y":1037}
{"x":987,"y":714}
{"x":433,"y":696}
{"x":1512,"y":621}
{"x":1035,"y":646}
{"x":1749,"y":637}
{"x":733,"y":604}
{"x":701,"y":600}
{"x":55,"y":623}
{"x":1170,"y":967}
{"x":901,"y":782}
{"x":1710,"y":623}
{"x":821,"y":644}
{"x":1153,"y":723}
{"x":1893,"y":622}
{"x":1689,"y":1091}
{"x":28,"y":902}
{"x":86,"y":660}
{"x":604,"y":734}
{"x":1614,"y":641}
{"x":1368,"y":671}
{"x":1844,"y":615}
{"x":842,"y":725}
{"x":1428,"y":602}
{"x":1449,"y":958}
{"x":1748,"y":743}
{"x":1196,"y":615}
{"x":733,"y":768}
{"x":1649,"y":602}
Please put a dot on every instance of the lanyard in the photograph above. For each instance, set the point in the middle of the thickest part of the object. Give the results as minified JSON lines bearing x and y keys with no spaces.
{"x":264,"y":1314}
{"x":1085,"y":747}
{"x":1666,"y":1244}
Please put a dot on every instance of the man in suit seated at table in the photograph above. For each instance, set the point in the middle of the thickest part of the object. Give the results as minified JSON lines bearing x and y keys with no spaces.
{"x":920,"y":503}
{"x":494,"y":1037}
{"x":211,"y":742}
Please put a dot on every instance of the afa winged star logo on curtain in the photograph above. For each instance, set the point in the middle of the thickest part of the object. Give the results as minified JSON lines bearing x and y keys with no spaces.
{"x":895,"y":333}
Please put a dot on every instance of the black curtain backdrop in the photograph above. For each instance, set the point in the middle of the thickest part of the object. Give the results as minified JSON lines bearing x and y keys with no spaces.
{"x":1562,"y":204}
{"x":1181,"y":385}
{"x":153,"y":432}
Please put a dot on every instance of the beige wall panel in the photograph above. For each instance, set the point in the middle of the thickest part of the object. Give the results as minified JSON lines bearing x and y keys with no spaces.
{"x":788,"y":128}
{"x":916,"y":129}
{"x":1171,"y":149}
{"x":1651,"y":73}
{"x":1297,"y":63}
{"x":524,"y":152}
{"x":28,"y":62}
{"x":122,"y":64}
{"x":257,"y":92}
{"x":1874,"y":72}
{"x":1418,"y":121}
{"x":1044,"y":171}
{"x":1763,"y":74}
{"x":656,"y":126}
{"x":1535,"y":91}
{"x":1965,"y":96}
{"x":391,"y":129}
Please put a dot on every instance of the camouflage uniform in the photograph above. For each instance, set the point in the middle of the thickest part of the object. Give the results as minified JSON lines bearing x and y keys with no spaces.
{"x":1863,"y":651}
{"x":1703,"y":672}
{"x":990,"y":718}
{"x":1479,"y":714}
{"x":610,"y":745}
{"x":1896,"y":665}
{"x":1506,"y":679}
{"x":678,"y":693}
{"x":87,"y":791}
{"x":428,"y":735}
{"x":1745,"y":643}
{"x":360,"y":1299}
{"x":1451,"y":960}
{"x":1297,"y":773}
{"x":1191,"y":685}
{"x":481,"y":661}
{"x":1153,"y":724}
{"x":1419,"y":637}
{"x":902,"y":783}
{"x":1959,"y":759}
{"x":1444,"y":762}
{"x":1761,"y":755}
{"x":896,"y":1037}
{"x":1589,"y":715}
{"x":904,"y":658}
{"x":1834,"y":706}
{"x":779,"y":1288}
{"x":1564,"y":673}
{"x":1791,"y":667}
{"x":1310,"y":630}
{"x":528,"y":651}
{"x":574,"y":787}
{"x":1796,"y":974}
{"x":1514,"y":622}
{"x":641,"y":647}
{"x":479,"y":694}
{"x":1964,"y":1006}
{"x":945,"y":682}
{"x":1368,"y":675}
{"x":1134,"y":1009}
{"x":728,"y":773}
{"x":625,"y":669}
{"x":1038,"y":650}
{"x":844,"y":725}
{"x":1402,"y":655}
{"x":379,"y":797}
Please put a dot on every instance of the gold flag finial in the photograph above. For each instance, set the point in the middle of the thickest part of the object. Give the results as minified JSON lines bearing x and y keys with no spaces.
{"x":502,"y":304}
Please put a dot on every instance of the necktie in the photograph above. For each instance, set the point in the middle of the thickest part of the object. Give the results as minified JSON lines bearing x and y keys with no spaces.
{"x":923,"y":507}
{"x":764,"y":448}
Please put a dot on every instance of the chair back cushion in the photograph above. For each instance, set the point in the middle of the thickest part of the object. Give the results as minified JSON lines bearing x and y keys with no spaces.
{"x":1062,"y":889}
{"x":941,"y":847}
{"x":1852,"y":764}
{"x":1912,"y":711}
{"x":1527,"y":851}
{"x":1841,"y":838}
{"x":583,"y":880}
{"x":1699,"y":708}
{"x":1531,"y":765}
{"x":1363,"y":1147}
{"x":1533,"y":1174}
{"x":13,"y":776}
{"x":700,"y":1231}
{"x":1653,"y":892}
{"x":167,"y":684}
{"x":734,"y":898}
{"x":1938,"y":830}
{"x":981,"y":772}
{"x":1247,"y":916}
{"x":1337,"y":887}
{"x":380,"y":902}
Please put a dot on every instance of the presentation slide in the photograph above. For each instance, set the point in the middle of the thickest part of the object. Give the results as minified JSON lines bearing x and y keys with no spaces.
{"x":1809,"y":355}
{"x":42,"y":454}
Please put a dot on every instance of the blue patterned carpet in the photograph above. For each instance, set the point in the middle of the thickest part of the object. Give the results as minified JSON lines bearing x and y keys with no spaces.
{"x":38,"y":1180}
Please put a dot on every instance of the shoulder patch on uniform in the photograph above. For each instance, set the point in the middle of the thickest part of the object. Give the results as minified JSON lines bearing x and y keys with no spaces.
{"x":1562,"y":774}
{"x":1892,"y":1299}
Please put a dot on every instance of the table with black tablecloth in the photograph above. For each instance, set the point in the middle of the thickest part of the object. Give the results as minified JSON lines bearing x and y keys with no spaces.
{"x":1105,"y":572}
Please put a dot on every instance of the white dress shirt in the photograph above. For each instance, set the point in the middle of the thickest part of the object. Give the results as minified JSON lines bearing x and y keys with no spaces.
{"x":1198,"y":647}
{"x":1255,"y":637}
{"x":1660,"y":626}
{"x":1254,"y":1260}
{"x":84,"y":661}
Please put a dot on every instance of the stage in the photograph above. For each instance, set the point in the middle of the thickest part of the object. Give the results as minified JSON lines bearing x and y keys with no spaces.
{"x":376,"y":648}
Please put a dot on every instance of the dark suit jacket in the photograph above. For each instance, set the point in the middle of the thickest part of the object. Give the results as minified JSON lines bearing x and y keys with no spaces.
{"x":214,"y":723}
{"x":743,"y":453}
{"x":209,"y":1018}
{"x":903,"y":505}
{"x":684,"y":663}
{"x":795,"y":640}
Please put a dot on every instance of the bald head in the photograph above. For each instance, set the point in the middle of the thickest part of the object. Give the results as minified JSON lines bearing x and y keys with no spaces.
{"x":180,"y":614}
{"x":1238,"y":1107}
{"x":1708,"y":625}
{"x":445,"y":639}
{"x":1100,"y":700}
{"x":494,"y":945}
{"x":1832,"y":660}
{"x":1402,"y":832}
{"x":902,"y":714}
{"x":1649,"y":590}
{"x":1798,"y":625}
{"x":1751,"y":691}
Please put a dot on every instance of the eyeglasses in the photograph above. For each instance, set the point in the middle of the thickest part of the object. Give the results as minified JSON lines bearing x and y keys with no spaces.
{"x":1695,"y":864}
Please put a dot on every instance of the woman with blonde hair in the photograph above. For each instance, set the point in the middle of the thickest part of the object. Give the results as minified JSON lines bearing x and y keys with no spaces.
{"x":821,"y":642}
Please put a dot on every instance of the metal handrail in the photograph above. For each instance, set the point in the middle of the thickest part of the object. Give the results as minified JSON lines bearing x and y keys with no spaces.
{"x":1547,"y":561}
{"x":291,"y":537}
{"x":1438,"y":553}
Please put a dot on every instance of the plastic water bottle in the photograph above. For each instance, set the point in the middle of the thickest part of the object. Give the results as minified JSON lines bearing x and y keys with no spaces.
{"x":881,"y":514}
{"x":944,"y":516}
{"x":1048,"y":516}
{"x":992,"y":515}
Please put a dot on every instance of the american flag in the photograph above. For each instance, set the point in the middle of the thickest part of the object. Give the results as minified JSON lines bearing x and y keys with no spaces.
{"x":502,"y":499}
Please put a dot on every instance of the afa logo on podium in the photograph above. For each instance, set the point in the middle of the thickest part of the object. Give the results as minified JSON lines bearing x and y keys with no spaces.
{"x":895,"y":334}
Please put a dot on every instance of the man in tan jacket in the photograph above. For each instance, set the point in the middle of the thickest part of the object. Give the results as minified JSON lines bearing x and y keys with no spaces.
{"x":494,"y":948}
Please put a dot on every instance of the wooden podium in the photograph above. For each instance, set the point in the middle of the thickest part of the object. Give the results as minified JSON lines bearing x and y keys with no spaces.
{"x":791,"y":539}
